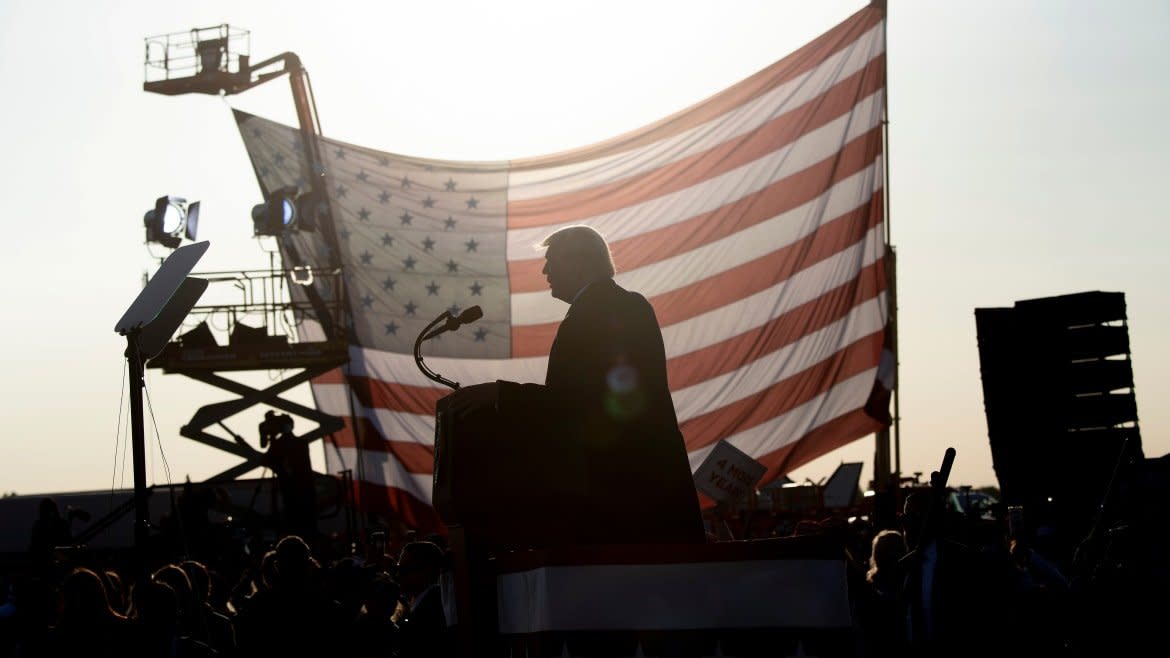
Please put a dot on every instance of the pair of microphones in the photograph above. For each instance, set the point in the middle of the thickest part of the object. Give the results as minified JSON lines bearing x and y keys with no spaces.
{"x":453,"y":322}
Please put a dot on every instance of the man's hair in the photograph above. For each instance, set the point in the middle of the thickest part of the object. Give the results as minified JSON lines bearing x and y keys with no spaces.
{"x":588,"y":245}
{"x":427,"y":555}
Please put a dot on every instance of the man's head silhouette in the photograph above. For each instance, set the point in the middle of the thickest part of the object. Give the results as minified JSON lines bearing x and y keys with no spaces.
{"x":575,"y":257}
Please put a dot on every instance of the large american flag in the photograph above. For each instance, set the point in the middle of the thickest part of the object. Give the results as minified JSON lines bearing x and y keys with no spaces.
{"x":753,"y":222}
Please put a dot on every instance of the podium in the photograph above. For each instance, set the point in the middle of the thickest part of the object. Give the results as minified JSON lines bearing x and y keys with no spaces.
{"x":503,"y":481}
{"x":522,"y":477}
{"x":504,"y":475}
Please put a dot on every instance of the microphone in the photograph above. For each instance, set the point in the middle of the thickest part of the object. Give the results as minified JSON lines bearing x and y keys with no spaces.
{"x":467,"y":317}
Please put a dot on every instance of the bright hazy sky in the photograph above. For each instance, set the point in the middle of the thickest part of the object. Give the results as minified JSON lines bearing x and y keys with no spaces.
{"x":1028,"y":143}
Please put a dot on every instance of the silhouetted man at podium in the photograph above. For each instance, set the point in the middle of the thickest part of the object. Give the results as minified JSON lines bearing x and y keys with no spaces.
{"x":606,"y":388}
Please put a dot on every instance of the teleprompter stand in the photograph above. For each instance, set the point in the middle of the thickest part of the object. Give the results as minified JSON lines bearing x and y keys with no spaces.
{"x":147,"y":325}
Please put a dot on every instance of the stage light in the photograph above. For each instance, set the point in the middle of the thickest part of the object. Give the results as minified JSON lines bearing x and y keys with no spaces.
{"x":277,"y":214}
{"x":169,"y":220}
{"x":243,"y":334}
{"x":285,"y":211}
{"x":199,"y":337}
{"x":192,"y":220}
{"x":311,"y":209}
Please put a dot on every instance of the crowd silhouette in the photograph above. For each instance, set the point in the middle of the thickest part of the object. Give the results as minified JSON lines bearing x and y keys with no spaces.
{"x":243,"y":594}
{"x":931,"y":581}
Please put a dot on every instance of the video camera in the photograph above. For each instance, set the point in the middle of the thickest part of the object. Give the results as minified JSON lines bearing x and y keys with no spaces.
{"x":273,"y":426}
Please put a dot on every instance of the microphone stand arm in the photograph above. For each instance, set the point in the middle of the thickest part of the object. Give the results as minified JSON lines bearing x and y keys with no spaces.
{"x":418,"y":360}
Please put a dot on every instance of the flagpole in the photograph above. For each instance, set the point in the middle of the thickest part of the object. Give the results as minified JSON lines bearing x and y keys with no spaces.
{"x":893,"y":257}
{"x":884,"y":478}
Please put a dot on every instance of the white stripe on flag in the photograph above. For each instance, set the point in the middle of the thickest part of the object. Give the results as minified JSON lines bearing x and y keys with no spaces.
{"x":720,"y":255}
{"x":863,"y":320}
{"x":702,"y":398}
{"x":391,"y":425}
{"x":401,"y":369}
{"x":669,"y":209}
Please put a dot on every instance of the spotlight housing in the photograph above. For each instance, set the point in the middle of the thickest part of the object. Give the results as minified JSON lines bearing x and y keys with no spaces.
{"x":192,"y":220}
{"x":311,"y":209}
{"x":286,"y":211}
{"x":279,"y":213}
{"x":169,"y":220}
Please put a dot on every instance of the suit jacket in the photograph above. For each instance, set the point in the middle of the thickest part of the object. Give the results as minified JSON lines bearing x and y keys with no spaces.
{"x":424,"y":631}
{"x":606,"y":390}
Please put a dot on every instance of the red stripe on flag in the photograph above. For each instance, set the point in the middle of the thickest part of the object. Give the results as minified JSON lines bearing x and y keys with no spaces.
{"x":394,"y":503}
{"x":783,"y":396}
{"x":408,"y":398}
{"x":727,"y":355}
{"x":728,"y":286}
{"x":675,"y":176}
{"x":704,"y":430}
{"x":414,"y":457}
{"x":762,"y":273}
{"x":678,"y":238}
{"x":834,"y":434}
{"x":376,"y":393}
{"x":334,"y":376}
{"x":686,"y":369}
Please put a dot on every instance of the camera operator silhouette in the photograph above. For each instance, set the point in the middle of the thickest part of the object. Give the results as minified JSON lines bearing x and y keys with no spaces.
{"x":288,"y":457}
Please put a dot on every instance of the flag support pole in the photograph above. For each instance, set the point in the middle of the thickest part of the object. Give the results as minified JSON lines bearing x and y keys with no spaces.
{"x":884,"y":478}
{"x":893,"y":259}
